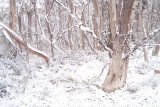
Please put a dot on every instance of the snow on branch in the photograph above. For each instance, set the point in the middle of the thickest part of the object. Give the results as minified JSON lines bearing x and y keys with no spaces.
{"x":10,"y":33}
{"x":145,"y":40}
{"x":79,"y":22}
{"x":82,"y":27}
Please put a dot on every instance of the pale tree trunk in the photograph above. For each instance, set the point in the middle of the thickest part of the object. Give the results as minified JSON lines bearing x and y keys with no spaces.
{"x":22,"y":30}
{"x":105,"y":15}
{"x":12,"y":22}
{"x":155,"y":51}
{"x":49,"y":6}
{"x":30,"y":14}
{"x":70,"y":24}
{"x":96,"y":20}
{"x":119,"y":19}
{"x":35,"y":26}
{"x":155,"y":18}
{"x":82,"y":32}
{"x":145,"y":54}
{"x":60,"y":29}
{"x":145,"y":31}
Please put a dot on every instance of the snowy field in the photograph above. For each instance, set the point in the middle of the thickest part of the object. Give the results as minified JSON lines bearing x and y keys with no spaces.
{"x":71,"y":80}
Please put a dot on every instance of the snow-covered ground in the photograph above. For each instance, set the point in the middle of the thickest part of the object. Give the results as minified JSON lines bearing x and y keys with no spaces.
{"x":71,"y":81}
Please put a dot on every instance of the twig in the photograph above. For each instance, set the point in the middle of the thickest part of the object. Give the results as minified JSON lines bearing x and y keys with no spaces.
{"x":82,"y":27}
{"x":145,"y":40}
{"x":61,"y":35}
{"x":97,"y":77}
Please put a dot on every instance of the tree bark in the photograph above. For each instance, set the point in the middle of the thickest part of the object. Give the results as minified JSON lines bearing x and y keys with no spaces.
{"x":12,"y":22}
{"x":70,"y":24}
{"x":155,"y":51}
{"x":19,"y":40}
{"x":30,"y":13}
{"x":119,"y":19}
{"x":96,"y":20}
{"x":145,"y":54}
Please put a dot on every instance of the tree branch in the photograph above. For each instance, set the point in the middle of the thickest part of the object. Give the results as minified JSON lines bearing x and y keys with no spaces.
{"x":19,"y":40}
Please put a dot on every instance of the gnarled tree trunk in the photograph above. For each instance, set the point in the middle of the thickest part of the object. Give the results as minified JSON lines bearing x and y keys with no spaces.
{"x":119,"y":13}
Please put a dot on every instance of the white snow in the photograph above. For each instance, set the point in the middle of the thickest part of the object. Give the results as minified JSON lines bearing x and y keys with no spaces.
{"x":67,"y":82}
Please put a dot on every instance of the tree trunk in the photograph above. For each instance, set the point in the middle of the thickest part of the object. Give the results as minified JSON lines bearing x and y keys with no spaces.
{"x":70,"y":25}
{"x":12,"y":22}
{"x":82,"y":32}
{"x":155,"y":51}
{"x":145,"y":54}
{"x":96,"y":20}
{"x":119,"y":19}
{"x":30,"y":13}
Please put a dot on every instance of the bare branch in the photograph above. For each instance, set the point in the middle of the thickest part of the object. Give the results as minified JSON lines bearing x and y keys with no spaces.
{"x":82,"y":27}
{"x":145,"y":40}
{"x":20,"y":41}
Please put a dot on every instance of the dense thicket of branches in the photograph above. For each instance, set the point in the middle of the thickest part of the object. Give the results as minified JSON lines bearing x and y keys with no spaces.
{"x":54,"y":26}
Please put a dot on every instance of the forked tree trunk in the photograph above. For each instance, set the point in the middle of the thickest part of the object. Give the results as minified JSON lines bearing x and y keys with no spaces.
{"x":119,"y":19}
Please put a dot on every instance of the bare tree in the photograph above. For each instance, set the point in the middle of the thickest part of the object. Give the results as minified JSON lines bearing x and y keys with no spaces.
{"x":119,"y":16}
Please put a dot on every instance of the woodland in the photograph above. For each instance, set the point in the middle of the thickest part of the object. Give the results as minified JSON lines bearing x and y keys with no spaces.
{"x":56,"y":53}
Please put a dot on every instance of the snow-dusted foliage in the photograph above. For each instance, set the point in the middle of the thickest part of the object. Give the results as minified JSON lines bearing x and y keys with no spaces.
{"x":71,"y":80}
{"x":75,"y":37}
